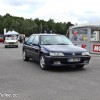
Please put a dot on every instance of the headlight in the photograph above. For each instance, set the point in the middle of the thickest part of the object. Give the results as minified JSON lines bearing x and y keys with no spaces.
{"x":5,"y":42}
{"x":56,"y":54}
{"x":85,"y":53}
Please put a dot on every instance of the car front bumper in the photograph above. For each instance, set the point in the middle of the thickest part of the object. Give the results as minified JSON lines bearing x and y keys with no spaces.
{"x":63,"y":61}
{"x":10,"y":45}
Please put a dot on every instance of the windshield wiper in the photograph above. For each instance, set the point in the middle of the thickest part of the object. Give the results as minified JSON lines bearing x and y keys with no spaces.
{"x":47,"y":44}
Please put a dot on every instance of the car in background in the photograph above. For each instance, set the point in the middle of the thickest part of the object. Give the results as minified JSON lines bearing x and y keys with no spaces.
{"x":11,"y":42}
{"x":54,"y":50}
{"x":1,"y":38}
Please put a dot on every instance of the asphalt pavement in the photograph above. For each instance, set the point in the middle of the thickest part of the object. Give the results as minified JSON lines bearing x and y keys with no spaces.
{"x":20,"y":80}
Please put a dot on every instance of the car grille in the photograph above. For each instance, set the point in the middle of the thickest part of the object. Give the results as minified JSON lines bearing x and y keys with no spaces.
{"x":11,"y":43}
{"x":73,"y":54}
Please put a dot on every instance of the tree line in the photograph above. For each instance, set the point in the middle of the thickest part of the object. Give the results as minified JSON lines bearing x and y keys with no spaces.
{"x":30,"y":26}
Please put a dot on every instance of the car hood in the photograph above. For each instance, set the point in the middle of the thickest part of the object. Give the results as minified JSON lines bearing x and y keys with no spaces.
{"x":63,"y":48}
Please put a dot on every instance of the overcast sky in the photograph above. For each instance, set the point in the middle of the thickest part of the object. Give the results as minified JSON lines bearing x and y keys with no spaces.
{"x":75,"y":11}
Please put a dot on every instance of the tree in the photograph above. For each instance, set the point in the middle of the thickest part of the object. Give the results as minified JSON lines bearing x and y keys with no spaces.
{"x":29,"y":26}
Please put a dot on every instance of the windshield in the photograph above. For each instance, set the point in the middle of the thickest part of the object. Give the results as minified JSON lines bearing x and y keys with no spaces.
{"x":55,"y":40}
{"x":10,"y":38}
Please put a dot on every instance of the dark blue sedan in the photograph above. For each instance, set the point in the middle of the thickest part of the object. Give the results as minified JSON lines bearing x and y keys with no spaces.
{"x":54,"y":50}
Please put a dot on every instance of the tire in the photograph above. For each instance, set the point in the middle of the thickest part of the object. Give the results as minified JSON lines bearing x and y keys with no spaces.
{"x":5,"y":46}
{"x":79,"y":66}
{"x":42,"y":63}
{"x":25,"y":57}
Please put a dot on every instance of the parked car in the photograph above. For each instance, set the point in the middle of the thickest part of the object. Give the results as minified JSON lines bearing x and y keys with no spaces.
{"x":1,"y":38}
{"x":54,"y":50}
{"x":11,"y":42}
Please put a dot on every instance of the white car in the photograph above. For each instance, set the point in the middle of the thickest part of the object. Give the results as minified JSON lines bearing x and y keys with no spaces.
{"x":11,"y":42}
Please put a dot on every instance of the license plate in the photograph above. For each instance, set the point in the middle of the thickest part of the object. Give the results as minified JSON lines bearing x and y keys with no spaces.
{"x":73,"y":59}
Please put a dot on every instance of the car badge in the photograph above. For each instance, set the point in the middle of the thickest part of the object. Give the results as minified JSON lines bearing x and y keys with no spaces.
{"x":73,"y":54}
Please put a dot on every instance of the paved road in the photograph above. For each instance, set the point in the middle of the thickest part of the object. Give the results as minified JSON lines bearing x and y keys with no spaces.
{"x":21,"y":80}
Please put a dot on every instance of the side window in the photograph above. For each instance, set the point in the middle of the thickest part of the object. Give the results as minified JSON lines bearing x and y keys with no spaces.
{"x":36,"y":40}
{"x":30,"y":40}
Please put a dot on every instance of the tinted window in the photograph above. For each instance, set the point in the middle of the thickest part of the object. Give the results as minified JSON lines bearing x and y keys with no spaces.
{"x":30,"y":40}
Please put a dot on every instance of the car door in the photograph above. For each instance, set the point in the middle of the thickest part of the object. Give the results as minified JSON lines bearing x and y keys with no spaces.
{"x":28,"y":45}
{"x":35,"y":50}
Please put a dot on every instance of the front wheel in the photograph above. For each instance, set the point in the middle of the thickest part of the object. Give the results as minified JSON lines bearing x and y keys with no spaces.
{"x":17,"y":46}
{"x":42,"y":62}
{"x":5,"y":46}
{"x":25,"y":57}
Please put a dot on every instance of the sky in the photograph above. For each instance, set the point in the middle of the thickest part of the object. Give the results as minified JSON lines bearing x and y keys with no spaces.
{"x":74,"y":11}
